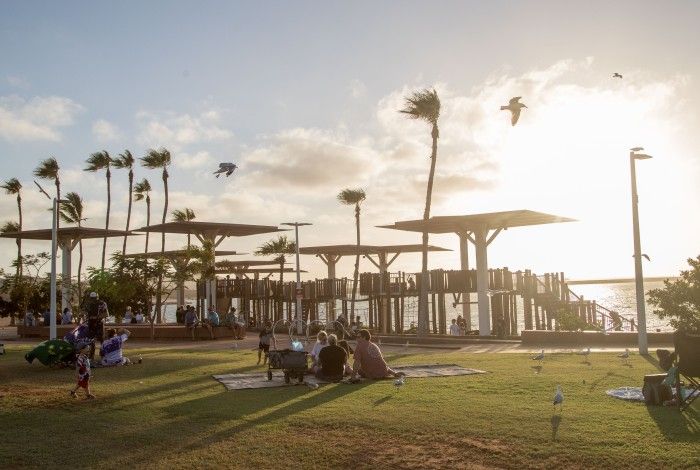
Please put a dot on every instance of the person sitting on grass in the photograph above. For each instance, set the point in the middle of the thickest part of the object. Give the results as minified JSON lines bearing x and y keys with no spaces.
{"x":369,"y":362}
{"x":345,"y":345}
{"x":111,"y":351}
{"x":265,"y":338}
{"x":191,"y":320}
{"x":67,"y":317}
{"x":331,"y":360}
{"x":321,"y":342}
{"x":82,"y":367}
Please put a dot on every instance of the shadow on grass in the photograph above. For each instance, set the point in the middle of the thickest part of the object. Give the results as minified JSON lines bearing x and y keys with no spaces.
{"x":675,"y":425}
{"x":604,"y":378}
{"x":555,"y":421}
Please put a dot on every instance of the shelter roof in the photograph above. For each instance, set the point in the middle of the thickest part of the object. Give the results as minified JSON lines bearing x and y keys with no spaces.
{"x":466,"y":223}
{"x":66,"y":232}
{"x":244,"y":263}
{"x":255,"y":270}
{"x":212,"y":228}
{"x":347,"y":250}
{"x":176,"y":254}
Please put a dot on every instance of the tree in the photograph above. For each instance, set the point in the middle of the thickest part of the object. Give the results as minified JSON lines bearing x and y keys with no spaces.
{"x":12,"y":187}
{"x":12,"y":227}
{"x":71,"y":212}
{"x":125,"y":161}
{"x":281,"y":247}
{"x":354,"y":197}
{"x":425,"y":105}
{"x":48,"y":169}
{"x":155,"y":159}
{"x":30,"y":291}
{"x":184,"y":215}
{"x":96,"y":162}
{"x":142,"y":192}
{"x":679,"y":301}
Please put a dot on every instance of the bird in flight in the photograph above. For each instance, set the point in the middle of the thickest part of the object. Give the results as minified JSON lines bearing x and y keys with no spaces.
{"x":514,"y":106}
{"x":617,"y":75}
{"x":227,"y":168}
{"x":644,"y":255}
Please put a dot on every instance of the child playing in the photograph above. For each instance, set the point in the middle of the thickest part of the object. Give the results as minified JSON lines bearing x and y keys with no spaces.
{"x":264,"y":345}
{"x":82,"y":366}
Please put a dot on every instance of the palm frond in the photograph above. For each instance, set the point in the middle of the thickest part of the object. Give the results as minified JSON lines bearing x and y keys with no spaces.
{"x":11,"y":186}
{"x":98,"y":161}
{"x":183,"y":215}
{"x":277,"y":246}
{"x":423,"y":104}
{"x":124,"y":161}
{"x":141,"y":189}
{"x":9,"y":227}
{"x":156,"y":158}
{"x":71,"y":212}
{"x":47,"y":169}
{"x":351,"y":196}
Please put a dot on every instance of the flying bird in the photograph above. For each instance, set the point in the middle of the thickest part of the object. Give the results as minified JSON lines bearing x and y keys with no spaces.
{"x":227,"y":168}
{"x":558,"y":398}
{"x":646,"y":256}
{"x":539,"y":356}
{"x":514,"y":106}
{"x":617,"y":75}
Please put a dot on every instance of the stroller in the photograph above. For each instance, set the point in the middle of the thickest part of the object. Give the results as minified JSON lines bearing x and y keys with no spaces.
{"x":292,"y":361}
{"x":61,"y":352}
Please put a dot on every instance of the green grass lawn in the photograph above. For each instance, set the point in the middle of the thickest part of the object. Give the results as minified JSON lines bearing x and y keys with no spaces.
{"x":169,"y":413}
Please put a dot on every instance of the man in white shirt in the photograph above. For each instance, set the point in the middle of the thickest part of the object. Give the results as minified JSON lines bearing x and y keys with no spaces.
{"x":454,"y":328}
{"x":112,"y":348}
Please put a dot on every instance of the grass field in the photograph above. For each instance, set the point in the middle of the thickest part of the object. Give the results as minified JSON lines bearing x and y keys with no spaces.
{"x":169,"y":413}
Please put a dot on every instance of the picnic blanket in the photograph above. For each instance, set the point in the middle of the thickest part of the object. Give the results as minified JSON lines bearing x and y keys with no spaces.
{"x":635,"y":393}
{"x":259,"y":379}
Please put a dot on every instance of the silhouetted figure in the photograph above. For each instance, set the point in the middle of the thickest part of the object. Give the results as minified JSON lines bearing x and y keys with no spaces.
{"x":514,"y":106}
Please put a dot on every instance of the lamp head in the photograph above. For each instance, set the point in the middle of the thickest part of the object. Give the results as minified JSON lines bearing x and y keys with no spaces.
{"x":637,"y":149}
{"x":641,"y":156}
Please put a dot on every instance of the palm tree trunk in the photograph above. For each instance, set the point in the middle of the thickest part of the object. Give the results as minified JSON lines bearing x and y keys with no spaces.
{"x":109,"y":203}
{"x":356,"y":273}
{"x":80,"y":268}
{"x":128,"y":211}
{"x":148,"y":220}
{"x":159,"y":295}
{"x":19,"y":239}
{"x":423,"y":299}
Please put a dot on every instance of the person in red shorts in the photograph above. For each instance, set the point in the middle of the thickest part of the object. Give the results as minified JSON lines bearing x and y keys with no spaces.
{"x":82,"y":367}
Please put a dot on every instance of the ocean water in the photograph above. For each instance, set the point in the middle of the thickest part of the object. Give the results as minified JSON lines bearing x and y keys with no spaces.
{"x":620,"y":297}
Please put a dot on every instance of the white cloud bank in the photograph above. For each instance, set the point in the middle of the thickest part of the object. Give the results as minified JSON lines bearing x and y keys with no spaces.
{"x":37,"y":119}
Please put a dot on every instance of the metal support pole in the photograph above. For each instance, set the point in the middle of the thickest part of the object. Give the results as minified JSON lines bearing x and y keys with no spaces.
{"x":54,"y":241}
{"x":482,"y":282}
{"x":638,"y":274}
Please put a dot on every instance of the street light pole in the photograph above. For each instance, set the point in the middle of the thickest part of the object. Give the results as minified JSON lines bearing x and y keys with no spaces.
{"x":638,"y":274}
{"x":298,"y":295}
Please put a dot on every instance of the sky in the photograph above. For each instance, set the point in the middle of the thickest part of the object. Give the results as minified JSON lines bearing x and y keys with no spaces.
{"x":304,"y":98}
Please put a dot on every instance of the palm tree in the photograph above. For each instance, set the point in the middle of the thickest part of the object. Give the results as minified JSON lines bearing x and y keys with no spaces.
{"x":96,"y":162}
{"x":281,"y":247}
{"x":184,"y":215}
{"x":125,"y":161}
{"x":142,"y":191}
{"x":13,"y":186}
{"x":48,"y":170}
{"x":425,"y":105}
{"x":71,"y":212}
{"x":152,"y":160}
{"x":354,"y":197}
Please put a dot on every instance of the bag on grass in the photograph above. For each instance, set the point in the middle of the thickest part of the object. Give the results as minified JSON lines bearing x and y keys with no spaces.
{"x":655,"y":391}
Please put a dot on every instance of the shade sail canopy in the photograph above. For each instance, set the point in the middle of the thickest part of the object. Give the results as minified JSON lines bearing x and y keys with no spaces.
{"x":348,"y":250}
{"x":66,"y":232}
{"x":172,"y":254}
{"x":468,"y":223}
{"x":243,"y":270}
{"x":210,"y":228}
{"x":244,"y":263}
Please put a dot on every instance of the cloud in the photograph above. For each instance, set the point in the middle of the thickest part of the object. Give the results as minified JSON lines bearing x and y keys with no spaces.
{"x":197,"y":160}
{"x":37,"y":119}
{"x":105,"y":131}
{"x":357,"y":88}
{"x":173,"y":130}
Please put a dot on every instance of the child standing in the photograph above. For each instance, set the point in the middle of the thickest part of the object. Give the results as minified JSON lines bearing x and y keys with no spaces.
{"x":265,"y":338}
{"x":82,"y":366}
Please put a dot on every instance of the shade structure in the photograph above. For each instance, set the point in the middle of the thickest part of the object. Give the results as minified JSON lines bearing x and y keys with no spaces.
{"x":244,"y":264}
{"x":256,"y":271}
{"x":174,"y":254}
{"x":385,"y":255}
{"x":67,"y":238}
{"x":481,"y":230}
{"x":213,"y":233}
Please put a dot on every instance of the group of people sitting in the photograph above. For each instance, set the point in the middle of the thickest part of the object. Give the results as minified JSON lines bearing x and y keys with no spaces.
{"x":331,"y":358}
{"x":231,"y":320}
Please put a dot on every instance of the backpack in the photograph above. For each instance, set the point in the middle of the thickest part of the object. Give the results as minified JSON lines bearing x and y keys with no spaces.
{"x":655,"y":391}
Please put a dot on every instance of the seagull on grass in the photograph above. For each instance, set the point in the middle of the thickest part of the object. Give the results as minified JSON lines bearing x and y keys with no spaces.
{"x":227,"y":168}
{"x":538,"y":357}
{"x":585,"y":353}
{"x":617,"y":75}
{"x":558,"y":398}
{"x":398,"y":383}
{"x":514,"y":106}
{"x":625,"y":355}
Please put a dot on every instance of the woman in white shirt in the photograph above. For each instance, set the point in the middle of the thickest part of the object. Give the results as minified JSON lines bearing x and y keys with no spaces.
{"x":128,"y":316}
{"x":321,"y":342}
